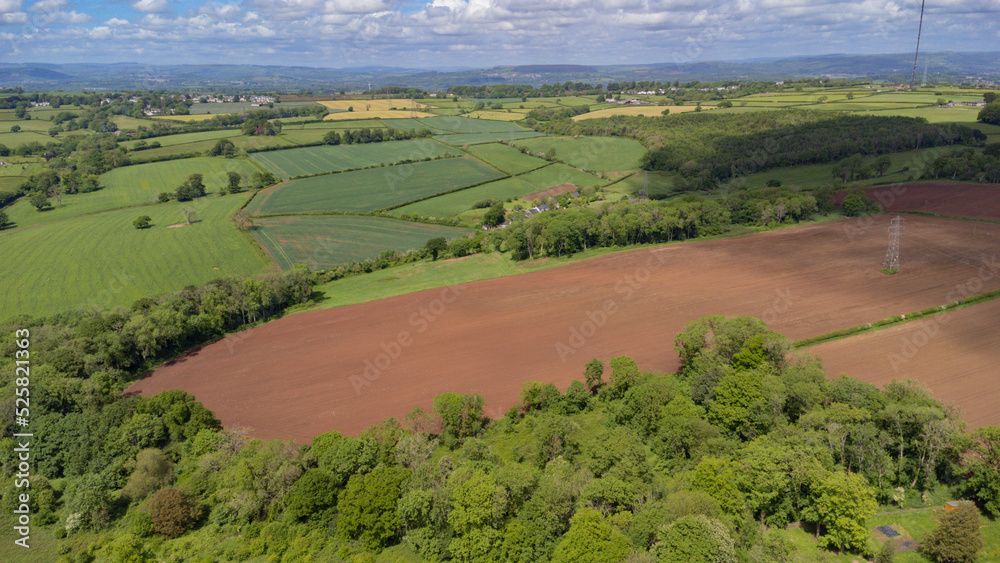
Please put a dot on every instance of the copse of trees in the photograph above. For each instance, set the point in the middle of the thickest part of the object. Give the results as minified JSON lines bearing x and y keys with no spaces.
{"x":706,"y":148}
{"x":967,"y":164}
{"x":366,"y":135}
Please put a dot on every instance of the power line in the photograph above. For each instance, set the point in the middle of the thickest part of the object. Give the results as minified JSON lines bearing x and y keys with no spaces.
{"x":913,"y":77}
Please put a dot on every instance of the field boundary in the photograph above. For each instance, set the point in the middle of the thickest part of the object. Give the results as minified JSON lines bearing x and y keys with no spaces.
{"x":896,"y":320}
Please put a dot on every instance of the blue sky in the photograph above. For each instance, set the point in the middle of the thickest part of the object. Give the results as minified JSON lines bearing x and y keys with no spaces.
{"x":480,"y":33}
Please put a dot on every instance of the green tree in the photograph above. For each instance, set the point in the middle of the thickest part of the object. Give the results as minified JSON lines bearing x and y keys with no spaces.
{"x":435,"y":246}
{"x":695,"y":539}
{"x":983,"y":483}
{"x":15,"y":129}
{"x":957,"y":539}
{"x":40,"y":201}
{"x":153,"y":470}
{"x":989,"y":114}
{"x":128,"y":548}
{"x":857,"y":204}
{"x":725,"y":104}
{"x":313,"y":496}
{"x":142,"y":222}
{"x":3,"y":219}
{"x":461,"y":415}
{"x":234,"y":182}
{"x":223,"y":147}
{"x":591,"y":538}
{"x":494,"y":215}
{"x":840,"y":506}
{"x":593,"y":374}
{"x":368,"y":507}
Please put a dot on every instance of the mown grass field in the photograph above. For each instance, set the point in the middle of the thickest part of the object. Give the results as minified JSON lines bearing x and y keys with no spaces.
{"x":327,"y":158}
{"x":188,"y":117}
{"x":14,"y":140}
{"x":102,"y":261}
{"x":591,"y":153}
{"x":649,"y":111}
{"x":375,"y":114}
{"x":452,"y":204}
{"x":355,"y":124}
{"x":131,"y":186}
{"x":462,"y":139}
{"x":185,"y":138}
{"x":409,"y":124}
{"x":506,"y":158}
{"x":556,"y":174}
{"x":363,"y":191}
{"x":331,"y":240}
{"x":239,"y":107}
{"x":514,"y":115}
{"x":458,"y":124}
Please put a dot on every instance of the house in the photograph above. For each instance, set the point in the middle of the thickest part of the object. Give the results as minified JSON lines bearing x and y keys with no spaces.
{"x":536,"y":210}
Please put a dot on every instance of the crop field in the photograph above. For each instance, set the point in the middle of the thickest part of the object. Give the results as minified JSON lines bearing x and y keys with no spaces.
{"x":131,"y":186}
{"x":465,"y":125}
{"x":499,"y":115}
{"x":462,"y":139}
{"x":456,"y":203}
{"x":955,"y":199}
{"x":328,"y":158}
{"x":936,"y":114}
{"x":591,"y":153}
{"x":14,"y":140}
{"x":375,"y":114}
{"x":954,"y":354}
{"x":648,"y":111}
{"x":184,"y":138}
{"x":409,"y":124}
{"x":102,"y":260}
{"x":239,"y":107}
{"x":363,"y":191}
{"x":328,"y":125}
{"x":188,"y":117}
{"x":371,"y":105}
{"x":331,"y":240}
{"x":829,"y":282}
{"x":550,"y":176}
{"x":506,"y":158}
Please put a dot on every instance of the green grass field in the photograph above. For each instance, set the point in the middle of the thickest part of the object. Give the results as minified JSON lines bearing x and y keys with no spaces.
{"x":458,"y":124}
{"x":462,"y":139}
{"x":363,"y":191}
{"x":411,"y":124}
{"x":331,"y":240}
{"x":238,"y":107}
{"x":816,"y":175}
{"x":327,"y":158}
{"x":505,"y":158}
{"x":357,"y":124}
{"x":459,"y":202}
{"x":184,"y":138}
{"x":557,"y":174}
{"x":661,"y":185}
{"x":14,"y":140}
{"x":102,"y":260}
{"x":591,"y":153}
{"x":131,"y":186}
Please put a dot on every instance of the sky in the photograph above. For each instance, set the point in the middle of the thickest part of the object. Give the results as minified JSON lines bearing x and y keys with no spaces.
{"x":481,"y":33}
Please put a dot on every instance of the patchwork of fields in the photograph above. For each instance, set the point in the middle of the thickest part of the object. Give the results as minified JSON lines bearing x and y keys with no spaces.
{"x":326,"y":158}
{"x":331,"y":240}
{"x":591,"y":153}
{"x":363,"y":191}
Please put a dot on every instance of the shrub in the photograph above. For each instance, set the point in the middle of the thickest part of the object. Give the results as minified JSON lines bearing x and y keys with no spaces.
{"x":173,"y":512}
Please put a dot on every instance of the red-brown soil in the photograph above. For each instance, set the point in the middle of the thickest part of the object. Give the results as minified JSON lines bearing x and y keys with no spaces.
{"x":955,"y":354}
{"x":976,"y":201}
{"x":557,"y":190}
{"x":304,"y":374}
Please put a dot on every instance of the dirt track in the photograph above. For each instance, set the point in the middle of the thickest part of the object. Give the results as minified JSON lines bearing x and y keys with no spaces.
{"x":956,"y":355}
{"x":305,"y":374}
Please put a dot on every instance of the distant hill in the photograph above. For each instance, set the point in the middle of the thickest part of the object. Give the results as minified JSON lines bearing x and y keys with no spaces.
{"x":932,"y":67}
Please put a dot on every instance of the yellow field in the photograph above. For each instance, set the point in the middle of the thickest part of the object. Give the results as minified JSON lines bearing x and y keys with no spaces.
{"x":370,"y":105}
{"x":648,"y":111}
{"x":387,"y":114}
{"x":191,"y":117}
{"x":498,"y":115}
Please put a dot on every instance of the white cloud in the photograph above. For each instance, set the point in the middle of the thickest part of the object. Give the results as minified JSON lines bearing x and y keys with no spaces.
{"x":71,"y":17}
{"x":14,"y":18}
{"x":153,"y":6}
{"x":116,"y":22}
{"x":100,"y":32}
{"x":8,"y":6}
{"x":48,"y":6}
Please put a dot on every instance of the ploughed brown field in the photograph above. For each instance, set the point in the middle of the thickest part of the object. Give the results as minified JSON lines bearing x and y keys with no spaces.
{"x":346,"y":368}
{"x":975,"y":201}
{"x":955,"y":354}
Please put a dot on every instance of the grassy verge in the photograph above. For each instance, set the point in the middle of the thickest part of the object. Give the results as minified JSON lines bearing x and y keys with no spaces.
{"x":894,"y":320}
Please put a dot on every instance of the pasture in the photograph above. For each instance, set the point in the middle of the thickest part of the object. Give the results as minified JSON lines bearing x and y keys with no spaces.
{"x":499,"y":115}
{"x":836,"y":285}
{"x":363,"y":191}
{"x":185,"y":138}
{"x":131,"y":186}
{"x":373,"y":114}
{"x":458,"y":124}
{"x":14,"y":140}
{"x":409,"y":124}
{"x":556,"y":174}
{"x":101,"y":260}
{"x":462,"y":139}
{"x":459,"y":202}
{"x":648,"y":111}
{"x":506,"y":158}
{"x":240,"y":107}
{"x":328,"y":158}
{"x":322,"y":242}
{"x":591,"y":153}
